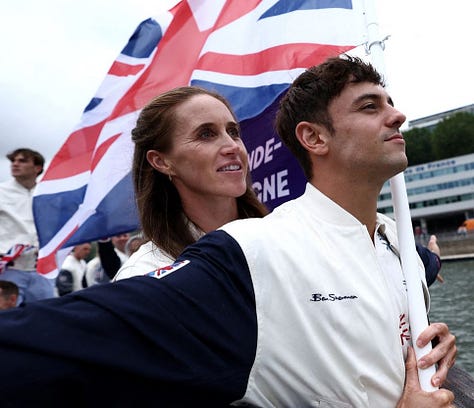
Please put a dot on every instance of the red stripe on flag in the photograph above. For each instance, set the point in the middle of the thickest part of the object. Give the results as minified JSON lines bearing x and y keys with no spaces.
{"x":75,"y":154}
{"x":169,"y":68}
{"x":121,"y":69}
{"x":101,"y":150}
{"x":233,"y":10}
{"x":182,"y":34}
{"x":47,"y":264}
{"x":281,"y":57}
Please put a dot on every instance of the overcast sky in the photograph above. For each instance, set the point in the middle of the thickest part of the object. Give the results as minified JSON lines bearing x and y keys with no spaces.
{"x":55,"y":54}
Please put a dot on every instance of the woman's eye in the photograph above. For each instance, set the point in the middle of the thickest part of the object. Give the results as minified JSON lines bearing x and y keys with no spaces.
{"x":205,"y":134}
{"x":234,"y":132}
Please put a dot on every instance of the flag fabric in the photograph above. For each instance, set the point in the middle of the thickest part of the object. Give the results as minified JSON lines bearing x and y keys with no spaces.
{"x":249,"y":51}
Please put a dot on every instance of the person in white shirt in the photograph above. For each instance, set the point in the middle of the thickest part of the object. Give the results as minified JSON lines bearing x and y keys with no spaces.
{"x":75,"y":264}
{"x":111,"y":255}
{"x":18,"y":237}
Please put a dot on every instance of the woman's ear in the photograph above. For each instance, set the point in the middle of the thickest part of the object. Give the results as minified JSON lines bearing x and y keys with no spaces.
{"x":313,"y":137}
{"x":158,"y":162}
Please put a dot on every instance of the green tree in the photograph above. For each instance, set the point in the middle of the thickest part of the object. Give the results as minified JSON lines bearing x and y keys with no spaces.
{"x":419,"y":146}
{"x":454,"y":136}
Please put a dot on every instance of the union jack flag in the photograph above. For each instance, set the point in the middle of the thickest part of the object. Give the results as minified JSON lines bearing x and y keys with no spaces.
{"x":249,"y":51}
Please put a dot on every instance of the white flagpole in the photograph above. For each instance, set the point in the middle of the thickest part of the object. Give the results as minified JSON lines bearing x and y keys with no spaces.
{"x":416,"y":305}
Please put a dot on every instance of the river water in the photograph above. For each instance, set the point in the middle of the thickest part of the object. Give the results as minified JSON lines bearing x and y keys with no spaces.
{"x":452,"y":302}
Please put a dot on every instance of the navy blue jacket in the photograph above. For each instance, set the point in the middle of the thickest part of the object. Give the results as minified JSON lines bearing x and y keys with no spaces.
{"x":184,"y":340}
{"x":431,"y":261}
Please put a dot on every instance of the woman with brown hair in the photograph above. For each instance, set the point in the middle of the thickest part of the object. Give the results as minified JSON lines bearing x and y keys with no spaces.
{"x":190,"y":172}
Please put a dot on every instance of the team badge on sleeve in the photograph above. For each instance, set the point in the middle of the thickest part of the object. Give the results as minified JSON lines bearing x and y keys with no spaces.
{"x":166,"y":270}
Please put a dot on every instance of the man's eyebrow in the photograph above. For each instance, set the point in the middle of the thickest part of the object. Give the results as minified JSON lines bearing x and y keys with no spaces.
{"x":377,"y":96}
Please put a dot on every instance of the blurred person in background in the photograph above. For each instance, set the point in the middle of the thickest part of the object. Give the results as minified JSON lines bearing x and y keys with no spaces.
{"x":8,"y":294}
{"x":18,"y":237}
{"x":71,"y":276}
{"x":111,"y":254}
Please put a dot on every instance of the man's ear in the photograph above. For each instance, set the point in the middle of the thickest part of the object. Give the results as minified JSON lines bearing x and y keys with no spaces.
{"x":159,"y":162}
{"x":312,"y":137}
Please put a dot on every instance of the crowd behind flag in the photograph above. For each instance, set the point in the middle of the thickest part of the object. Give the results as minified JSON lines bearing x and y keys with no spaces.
{"x":249,"y":51}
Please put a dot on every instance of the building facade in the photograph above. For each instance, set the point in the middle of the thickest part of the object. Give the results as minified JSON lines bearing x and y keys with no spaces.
{"x":440,"y":194}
